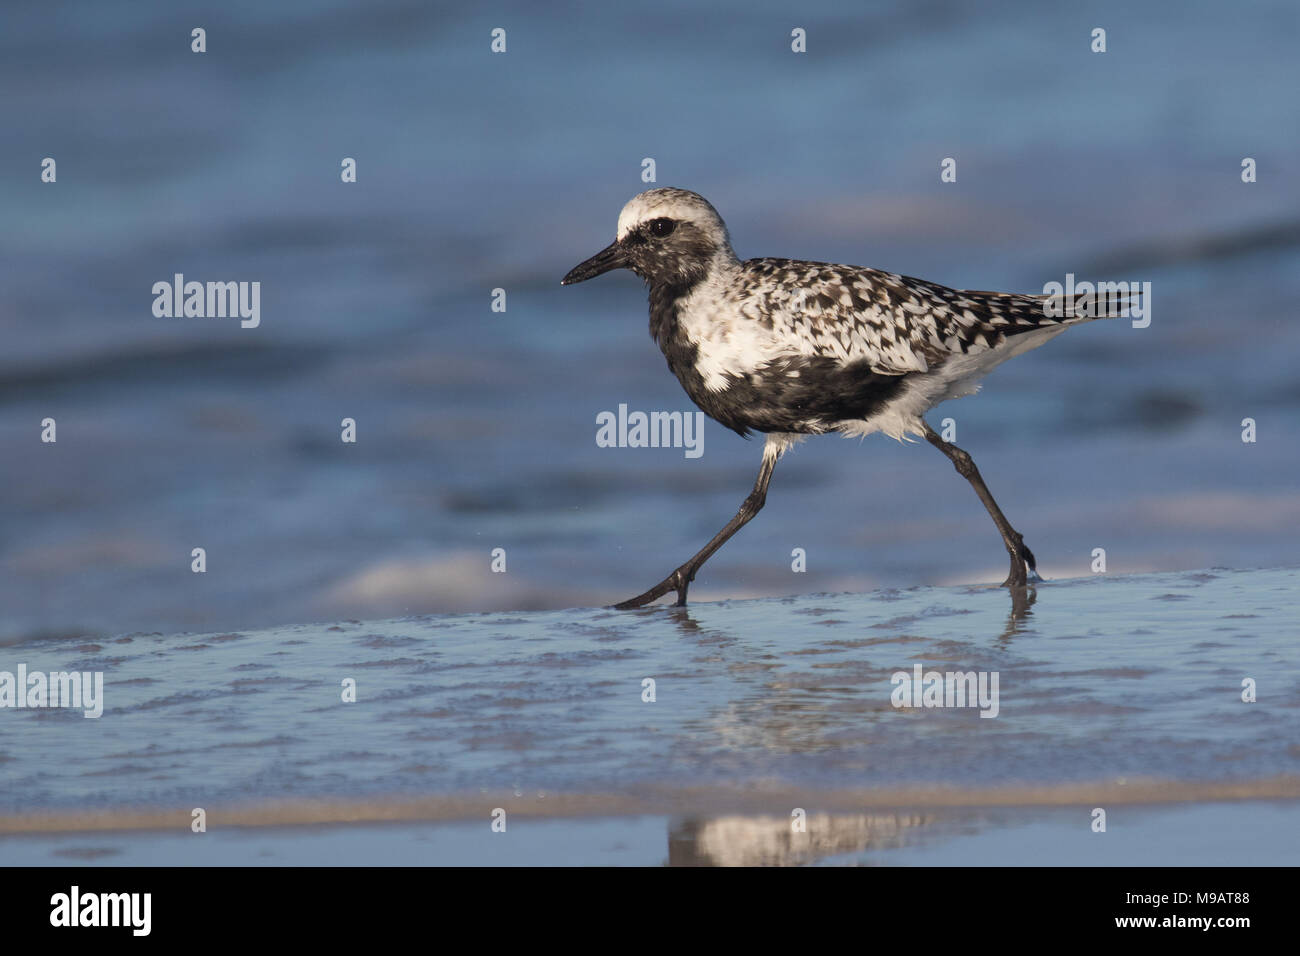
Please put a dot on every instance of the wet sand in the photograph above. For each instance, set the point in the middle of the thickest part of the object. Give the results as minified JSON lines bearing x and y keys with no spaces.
{"x":1243,"y":833}
{"x":1121,"y":693}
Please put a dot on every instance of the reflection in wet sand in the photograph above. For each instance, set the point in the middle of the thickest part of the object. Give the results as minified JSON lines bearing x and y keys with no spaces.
{"x":773,"y":841}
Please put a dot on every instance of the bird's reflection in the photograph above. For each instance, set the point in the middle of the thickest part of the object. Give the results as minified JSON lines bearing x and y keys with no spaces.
{"x":1022,"y":600}
{"x":807,"y":692}
{"x":683,"y":621}
{"x":776,"y":841}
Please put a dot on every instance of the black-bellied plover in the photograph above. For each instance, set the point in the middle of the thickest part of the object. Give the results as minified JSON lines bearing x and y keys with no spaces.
{"x":791,"y":348}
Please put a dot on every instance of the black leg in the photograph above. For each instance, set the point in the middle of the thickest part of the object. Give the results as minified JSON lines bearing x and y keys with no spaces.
{"x":1015,"y":544}
{"x":681,"y":579}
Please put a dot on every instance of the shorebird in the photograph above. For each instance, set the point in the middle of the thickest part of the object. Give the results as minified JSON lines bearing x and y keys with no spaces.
{"x":790,"y":348}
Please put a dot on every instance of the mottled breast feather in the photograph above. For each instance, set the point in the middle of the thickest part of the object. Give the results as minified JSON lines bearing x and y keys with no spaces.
{"x":804,"y":394}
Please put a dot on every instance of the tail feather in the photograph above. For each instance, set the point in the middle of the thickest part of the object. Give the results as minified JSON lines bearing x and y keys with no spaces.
{"x":1101,"y":304}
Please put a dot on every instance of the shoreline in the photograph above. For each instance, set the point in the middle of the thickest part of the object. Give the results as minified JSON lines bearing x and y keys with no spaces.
{"x":703,"y":801}
{"x":1258,"y":833}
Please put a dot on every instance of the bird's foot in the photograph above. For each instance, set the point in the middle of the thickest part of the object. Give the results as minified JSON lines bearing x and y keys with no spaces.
{"x":1024,"y":569}
{"x":678,"y":581}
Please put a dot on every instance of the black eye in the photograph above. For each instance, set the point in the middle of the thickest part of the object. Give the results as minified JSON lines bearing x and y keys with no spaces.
{"x":661,"y":227}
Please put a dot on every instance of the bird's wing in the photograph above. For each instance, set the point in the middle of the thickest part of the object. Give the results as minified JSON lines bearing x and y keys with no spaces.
{"x":893,"y":323}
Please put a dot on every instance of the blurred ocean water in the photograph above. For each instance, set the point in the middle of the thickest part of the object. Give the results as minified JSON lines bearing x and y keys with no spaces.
{"x":479,"y":171}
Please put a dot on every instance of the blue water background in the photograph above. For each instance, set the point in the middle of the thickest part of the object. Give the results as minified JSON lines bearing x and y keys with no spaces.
{"x":481,"y":171}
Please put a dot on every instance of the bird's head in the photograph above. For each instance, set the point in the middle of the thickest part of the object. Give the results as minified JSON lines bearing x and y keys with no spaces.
{"x":669,"y":236}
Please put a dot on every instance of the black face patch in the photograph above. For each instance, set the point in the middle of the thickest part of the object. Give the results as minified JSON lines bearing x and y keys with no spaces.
{"x":679,"y":257}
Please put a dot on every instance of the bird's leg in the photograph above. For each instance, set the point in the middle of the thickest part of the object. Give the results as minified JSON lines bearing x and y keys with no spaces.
{"x":1015,"y":544}
{"x":681,"y":579}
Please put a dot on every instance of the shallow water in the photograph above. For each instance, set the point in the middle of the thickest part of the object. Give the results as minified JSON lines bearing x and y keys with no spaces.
{"x":1104,"y":684}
